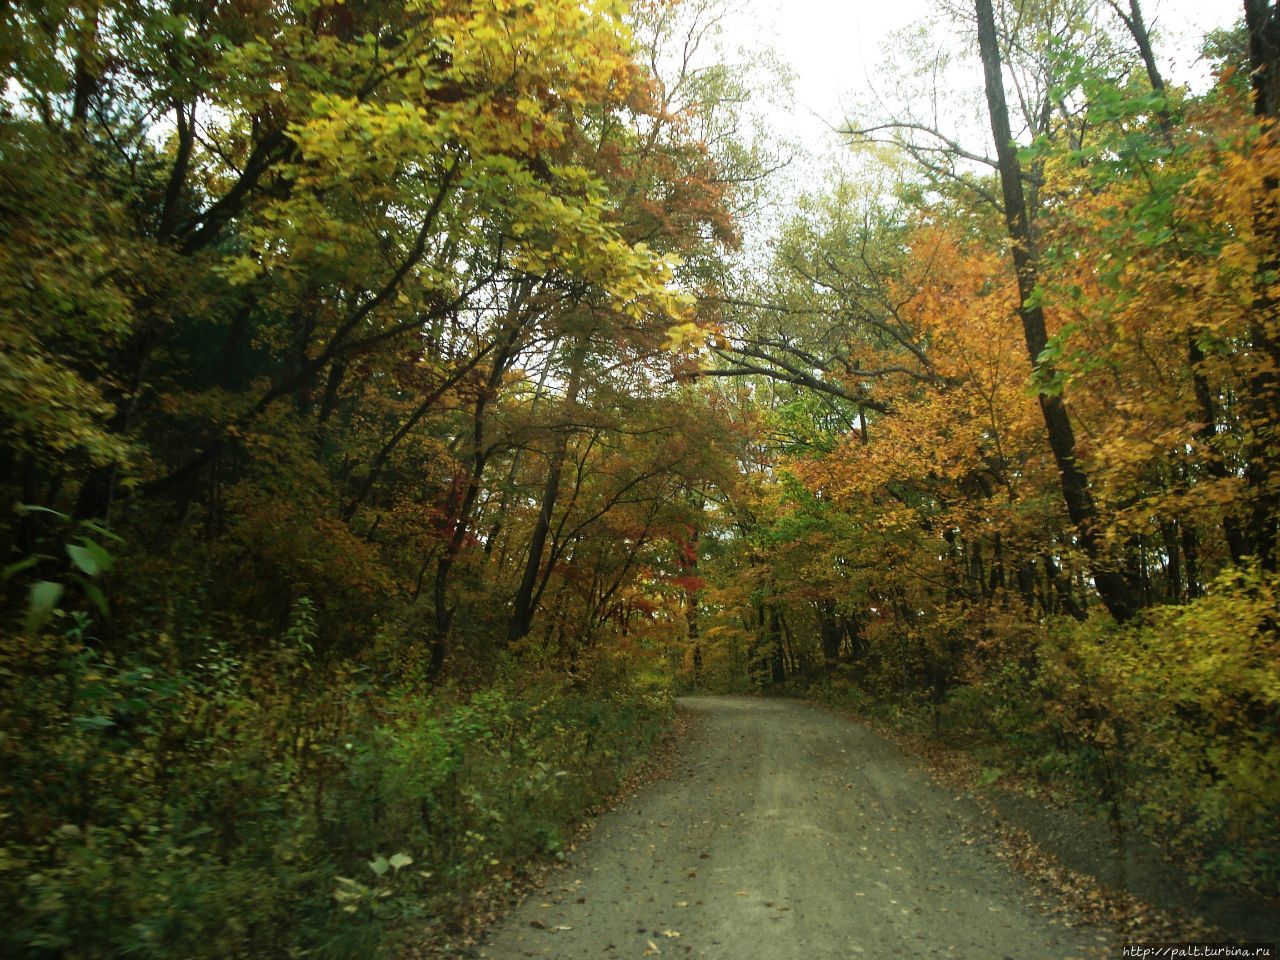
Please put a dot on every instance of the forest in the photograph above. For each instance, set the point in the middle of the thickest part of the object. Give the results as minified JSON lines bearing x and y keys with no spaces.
{"x":402,"y":401}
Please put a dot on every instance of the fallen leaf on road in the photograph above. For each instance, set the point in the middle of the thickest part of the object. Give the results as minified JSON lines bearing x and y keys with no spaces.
{"x":671,"y":933}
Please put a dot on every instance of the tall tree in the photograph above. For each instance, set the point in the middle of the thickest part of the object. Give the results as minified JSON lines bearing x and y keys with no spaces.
{"x":1262,"y":19}
{"x":1113,"y":586}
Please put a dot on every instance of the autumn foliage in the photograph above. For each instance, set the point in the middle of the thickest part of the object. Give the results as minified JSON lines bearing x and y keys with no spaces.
{"x":910,"y":535}
{"x":388,"y":424}
{"x":333,"y":378}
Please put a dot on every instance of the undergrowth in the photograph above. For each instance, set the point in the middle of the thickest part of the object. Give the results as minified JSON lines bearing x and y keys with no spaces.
{"x":1170,"y":727}
{"x":192,"y":802}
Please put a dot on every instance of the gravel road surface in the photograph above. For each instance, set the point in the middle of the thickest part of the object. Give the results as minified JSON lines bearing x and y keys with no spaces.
{"x":786,"y":832}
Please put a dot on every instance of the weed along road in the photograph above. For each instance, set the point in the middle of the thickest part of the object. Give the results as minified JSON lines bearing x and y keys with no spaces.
{"x":785,"y":832}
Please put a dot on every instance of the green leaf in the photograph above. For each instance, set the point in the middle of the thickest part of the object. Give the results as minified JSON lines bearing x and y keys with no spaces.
{"x":379,"y":865}
{"x":95,"y":594}
{"x":101,"y":531}
{"x":93,"y":723}
{"x":15,"y":568}
{"x":83,"y":558}
{"x":42,"y":600}
{"x":25,"y":508}
{"x":399,"y":861}
{"x":99,"y":553}
{"x":1051,"y":353}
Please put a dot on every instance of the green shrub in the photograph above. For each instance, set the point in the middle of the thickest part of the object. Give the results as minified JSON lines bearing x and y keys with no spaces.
{"x":1172,"y":724}
{"x":1194,"y":699}
{"x":194,"y":804}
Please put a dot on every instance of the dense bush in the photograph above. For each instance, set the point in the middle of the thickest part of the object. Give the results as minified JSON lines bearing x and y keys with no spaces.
{"x":1186,"y":709}
{"x":1170,"y":726}
{"x":188,"y":803}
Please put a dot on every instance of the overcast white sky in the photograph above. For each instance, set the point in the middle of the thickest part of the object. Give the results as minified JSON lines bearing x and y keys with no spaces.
{"x":835,"y":47}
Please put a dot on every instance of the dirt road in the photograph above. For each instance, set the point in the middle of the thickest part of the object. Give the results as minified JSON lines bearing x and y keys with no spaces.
{"x":786,"y":832}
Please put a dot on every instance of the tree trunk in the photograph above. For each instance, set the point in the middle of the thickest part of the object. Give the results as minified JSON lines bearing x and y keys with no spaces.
{"x":688,"y":562}
{"x":523,"y":608}
{"x":1112,"y":586}
{"x":1173,"y":568}
{"x":462,"y":516}
{"x":831,"y":631}
{"x":777,"y":654}
{"x":1262,"y":474}
{"x":504,"y":503}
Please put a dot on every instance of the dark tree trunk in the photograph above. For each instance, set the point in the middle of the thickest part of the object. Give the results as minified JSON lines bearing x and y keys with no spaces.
{"x":1191,"y":553}
{"x":333,"y":383}
{"x":1262,"y":19}
{"x":1262,"y":475}
{"x":830,"y":629}
{"x":98,"y":492}
{"x":977,"y":579}
{"x":688,"y":562}
{"x":439,"y":638}
{"x":1112,"y":586}
{"x":777,"y":654}
{"x":504,"y":503}
{"x":997,"y":583}
{"x":1173,"y":568}
{"x":1026,"y":575}
{"x":525,"y":601}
